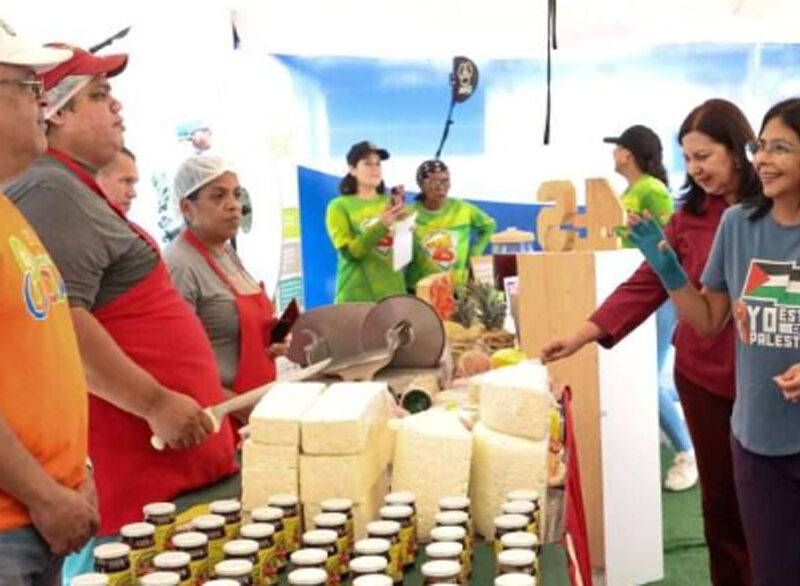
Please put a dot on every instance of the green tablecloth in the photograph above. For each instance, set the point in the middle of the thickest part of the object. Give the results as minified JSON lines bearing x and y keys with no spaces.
{"x":552,"y":562}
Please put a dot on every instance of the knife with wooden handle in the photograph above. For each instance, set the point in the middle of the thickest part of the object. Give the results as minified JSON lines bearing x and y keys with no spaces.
{"x":217,"y":412}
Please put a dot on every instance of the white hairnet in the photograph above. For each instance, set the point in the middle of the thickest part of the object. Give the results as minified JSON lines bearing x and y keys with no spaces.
{"x":197,"y":171}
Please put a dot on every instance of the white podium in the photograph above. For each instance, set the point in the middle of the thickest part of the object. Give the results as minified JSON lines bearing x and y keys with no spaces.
{"x":615,"y":407}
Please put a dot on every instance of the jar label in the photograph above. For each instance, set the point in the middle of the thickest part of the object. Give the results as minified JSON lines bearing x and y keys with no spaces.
{"x":215,"y":550}
{"x":466,"y":565}
{"x":142,"y":560}
{"x":343,"y":553}
{"x":407,"y":545}
{"x":232,"y":529}
{"x":395,"y":568}
{"x":279,"y":537}
{"x":291,"y":536}
{"x":198,"y":568}
{"x":268,"y":566}
{"x":163,"y":535}
{"x":351,"y":535}
{"x":332,"y":568}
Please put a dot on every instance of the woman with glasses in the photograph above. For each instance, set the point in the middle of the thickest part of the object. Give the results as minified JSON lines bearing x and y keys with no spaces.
{"x":753,"y":272}
{"x":235,"y":312}
{"x":713,"y":138}
{"x":444,"y":229}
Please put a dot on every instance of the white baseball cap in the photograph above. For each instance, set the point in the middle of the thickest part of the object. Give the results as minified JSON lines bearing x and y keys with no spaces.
{"x":198,"y":171}
{"x":15,"y":51}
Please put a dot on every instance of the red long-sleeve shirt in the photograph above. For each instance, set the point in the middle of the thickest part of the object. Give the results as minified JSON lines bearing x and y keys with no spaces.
{"x":706,"y":361}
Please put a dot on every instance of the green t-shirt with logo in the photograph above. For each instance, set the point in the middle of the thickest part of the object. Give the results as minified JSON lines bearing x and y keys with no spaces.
{"x":364,"y":248}
{"x":650,"y":194}
{"x":442,"y":239}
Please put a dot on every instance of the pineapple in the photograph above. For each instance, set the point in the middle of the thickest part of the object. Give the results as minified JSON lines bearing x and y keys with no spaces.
{"x":464,"y":311}
{"x":491,"y":307}
{"x":490,"y":304}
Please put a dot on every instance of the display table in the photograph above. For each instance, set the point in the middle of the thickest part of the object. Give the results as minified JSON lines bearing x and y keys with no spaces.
{"x":552,"y":563}
{"x":614,"y":402}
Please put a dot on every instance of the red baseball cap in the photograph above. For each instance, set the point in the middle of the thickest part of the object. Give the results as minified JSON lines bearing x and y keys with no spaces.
{"x":83,"y":63}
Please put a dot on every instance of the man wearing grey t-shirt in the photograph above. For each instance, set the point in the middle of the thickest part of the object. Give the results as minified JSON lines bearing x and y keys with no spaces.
{"x":150,"y":367}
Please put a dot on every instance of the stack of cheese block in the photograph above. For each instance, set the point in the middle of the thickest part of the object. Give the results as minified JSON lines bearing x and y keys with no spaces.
{"x":345,"y":451}
{"x":511,"y":440}
{"x":270,"y":457}
{"x":432,"y":457}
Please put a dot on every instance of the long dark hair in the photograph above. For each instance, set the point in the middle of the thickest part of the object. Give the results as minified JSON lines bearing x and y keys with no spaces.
{"x":789,"y":113}
{"x":652,"y":166}
{"x":723,"y":122}
{"x":349,"y":185}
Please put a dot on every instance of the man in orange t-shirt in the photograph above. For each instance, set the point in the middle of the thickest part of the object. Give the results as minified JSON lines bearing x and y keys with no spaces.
{"x":47,"y":500}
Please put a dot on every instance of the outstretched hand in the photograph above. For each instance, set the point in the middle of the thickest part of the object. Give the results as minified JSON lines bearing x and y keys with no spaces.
{"x":647,"y":236}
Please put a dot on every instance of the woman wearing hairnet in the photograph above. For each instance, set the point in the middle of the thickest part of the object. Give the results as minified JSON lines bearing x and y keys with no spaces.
{"x":444,"y":228}
{"x":236,"y":313}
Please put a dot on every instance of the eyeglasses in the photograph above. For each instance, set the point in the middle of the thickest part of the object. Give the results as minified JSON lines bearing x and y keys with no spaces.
{"x":774,"y":148}
{"x":438,"y":182}
{"x":35,"y":86}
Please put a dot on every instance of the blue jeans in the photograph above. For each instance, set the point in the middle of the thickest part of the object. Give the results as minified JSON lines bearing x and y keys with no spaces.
{"x":26,"y":559}
{"x":668,"y":417}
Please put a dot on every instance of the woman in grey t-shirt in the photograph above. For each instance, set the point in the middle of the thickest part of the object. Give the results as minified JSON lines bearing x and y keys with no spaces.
{"x":753,"y":273}
{"x":235,"y":312}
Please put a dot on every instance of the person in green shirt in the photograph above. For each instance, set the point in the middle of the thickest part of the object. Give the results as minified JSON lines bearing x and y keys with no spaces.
{"x":359,"y":224}
{"x":638,"y":158}
{"x":444,"y":228}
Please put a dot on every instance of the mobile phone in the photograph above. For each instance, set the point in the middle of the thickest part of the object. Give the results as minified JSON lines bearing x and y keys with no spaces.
{"x":284,"y":324}
{"x":398,"y":193}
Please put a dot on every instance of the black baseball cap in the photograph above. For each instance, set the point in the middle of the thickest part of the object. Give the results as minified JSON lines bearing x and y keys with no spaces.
{"x":361,"y":150}
{"x":640,"y":140}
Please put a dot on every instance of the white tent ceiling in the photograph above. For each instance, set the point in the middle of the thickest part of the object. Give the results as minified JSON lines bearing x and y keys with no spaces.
{"x":427,"y":28}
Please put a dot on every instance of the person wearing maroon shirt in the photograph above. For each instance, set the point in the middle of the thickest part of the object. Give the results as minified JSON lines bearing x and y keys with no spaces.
{"x":713,"y":137}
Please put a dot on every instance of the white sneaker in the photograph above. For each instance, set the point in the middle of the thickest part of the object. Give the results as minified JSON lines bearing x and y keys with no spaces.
{"x":682,"y":475}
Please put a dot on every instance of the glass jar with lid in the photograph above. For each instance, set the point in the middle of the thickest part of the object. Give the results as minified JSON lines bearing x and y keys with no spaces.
{"x":290,"y":506}
{"x":390,"y":531}
{"x":266,"y":563}
{"x":516,"y":561}
{"x":141,"y":537}
{"x":441,"y":572}
{"x":507,"y":524}
{"x":177,"y":562}
{"x":404,"y":515}
{"x":274,"y":517}
{"x":231,"y":510}
{"x":325,"y":539}
{"x":213,"y":527}
{"x":337,"y":522}
{"x":113,"y":559}
{"x":162,"y":516}
{"x":196,"y":545}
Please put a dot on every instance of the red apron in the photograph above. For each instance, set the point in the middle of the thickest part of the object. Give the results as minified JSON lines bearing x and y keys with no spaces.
{"x":159,"y":331}
{"x":256,"y":318}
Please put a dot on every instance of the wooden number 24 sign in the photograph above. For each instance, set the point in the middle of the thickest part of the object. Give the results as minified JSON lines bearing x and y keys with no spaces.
{"x":557,"y":225}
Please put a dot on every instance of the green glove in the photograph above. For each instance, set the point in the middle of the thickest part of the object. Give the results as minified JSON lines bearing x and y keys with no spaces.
{"x":647,"y":236}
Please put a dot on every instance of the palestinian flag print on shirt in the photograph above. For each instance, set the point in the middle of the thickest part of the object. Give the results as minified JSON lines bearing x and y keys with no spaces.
{"x":768,"y":312}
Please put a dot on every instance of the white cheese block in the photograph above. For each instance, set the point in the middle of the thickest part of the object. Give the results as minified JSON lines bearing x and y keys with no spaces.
{"x":432,"y":458}
{"x":256,"y":455}
{"x":501,"y":463}
{"x":324,"y":477}
{"x":366,"y":507}
{"x":341,"y":420}
{"x":275,"y":420}
{"x":258,"y":484}
{"x":516,"y":400}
